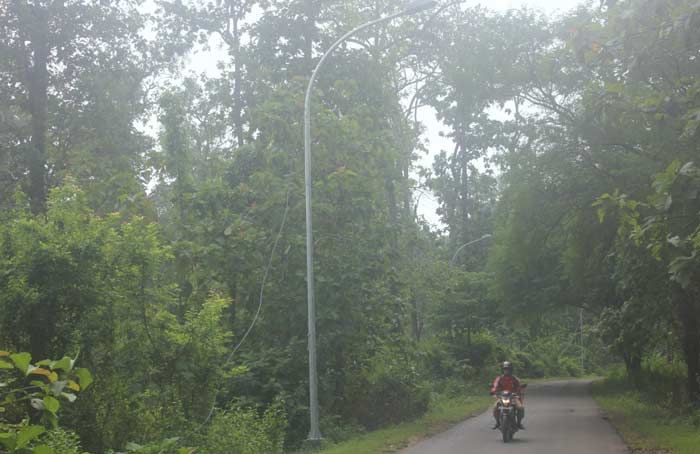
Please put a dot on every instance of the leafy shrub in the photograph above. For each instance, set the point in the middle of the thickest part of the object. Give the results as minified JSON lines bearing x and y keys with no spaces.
{"x":436,"y":360}
{"x":482,"y":350}
{"x":31,"y":399}
{"x":663,"y":380}
{"x":537,"y":369}
{"x":569,"y":367}
{"x":245,"y":431}
{"x":335,"y":429}
{"x":62,"y":441}
{"x":166,"y":446}
{"x":391,"y":391}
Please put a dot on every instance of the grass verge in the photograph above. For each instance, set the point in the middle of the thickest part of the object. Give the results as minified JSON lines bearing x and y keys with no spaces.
{"x":644,"y":426}
{"x":443,"y":413}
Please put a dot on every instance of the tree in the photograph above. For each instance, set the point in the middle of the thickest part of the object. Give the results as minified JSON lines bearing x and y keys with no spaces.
{"x":73,"y":71}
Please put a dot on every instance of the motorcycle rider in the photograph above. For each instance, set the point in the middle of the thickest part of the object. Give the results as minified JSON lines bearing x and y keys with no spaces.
{"x":508,"y":382}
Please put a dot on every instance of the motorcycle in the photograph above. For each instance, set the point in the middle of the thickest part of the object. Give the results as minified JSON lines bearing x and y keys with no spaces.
{"x":507,"y":414}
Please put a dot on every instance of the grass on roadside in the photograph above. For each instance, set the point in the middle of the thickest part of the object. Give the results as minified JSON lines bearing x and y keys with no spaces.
{"x":643,"y":425}
{"x":441,"y":415}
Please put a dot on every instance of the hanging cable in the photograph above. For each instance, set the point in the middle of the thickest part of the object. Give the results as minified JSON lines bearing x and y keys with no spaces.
{"x":260,"y":304}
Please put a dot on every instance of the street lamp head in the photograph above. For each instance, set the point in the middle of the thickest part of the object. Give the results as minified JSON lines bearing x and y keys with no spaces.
{"x":416,"y":6}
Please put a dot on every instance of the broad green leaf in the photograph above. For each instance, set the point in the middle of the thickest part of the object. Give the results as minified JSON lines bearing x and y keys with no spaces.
{"x":65,"y":364}
{"x":39,"y":384}
{"x":43,"y":449}
{"x":51,"y":404}
{"x":21,"y":361}
{"x":27,"y":434}
{"x":52,"y":419}
{"x":8,"y":439}
{"x":84,"y":377}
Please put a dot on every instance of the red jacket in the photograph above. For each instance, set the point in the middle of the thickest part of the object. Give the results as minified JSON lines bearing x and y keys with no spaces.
{"x":506,"y":383}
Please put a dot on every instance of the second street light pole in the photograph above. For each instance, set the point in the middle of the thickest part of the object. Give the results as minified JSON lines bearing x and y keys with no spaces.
{"x":315,"y":432}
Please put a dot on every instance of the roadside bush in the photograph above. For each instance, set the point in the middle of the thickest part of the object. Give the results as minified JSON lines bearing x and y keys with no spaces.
{"x":483,"y":351}
{"x":527,"y":366}
{"x":661,"y":384}
{"x":537,"y":369}
{"x":471,"y":354}
{"x":245,"y":431}
{"x":391,"y":390}
{"x":437,"y":362}
{"x":664,"y":381}
{"x":62,"y":441}
{"x":335,"y":429}
{"x":569,"y":367}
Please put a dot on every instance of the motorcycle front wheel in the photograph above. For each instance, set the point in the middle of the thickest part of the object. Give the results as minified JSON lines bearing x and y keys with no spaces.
{"x":506,"y":431}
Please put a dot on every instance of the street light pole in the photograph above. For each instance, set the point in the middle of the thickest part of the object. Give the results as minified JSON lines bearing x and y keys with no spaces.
{"x":315,"y":432}
{"x":488,"y":235}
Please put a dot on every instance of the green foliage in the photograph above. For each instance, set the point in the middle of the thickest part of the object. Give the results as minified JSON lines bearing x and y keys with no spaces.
{"x":31,"y":395}
{"x":574,"y":147}
{"x":391,"y":390}
{"x":654,"y":413}
{"x":39,"y":386}
{"x":166,"y":446}
{"x":62,"y":441}
{"x":445,"y":409}
{"x":246,"y":431}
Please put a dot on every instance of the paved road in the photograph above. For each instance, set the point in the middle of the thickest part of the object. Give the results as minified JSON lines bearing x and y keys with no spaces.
{"x":561,"y":418}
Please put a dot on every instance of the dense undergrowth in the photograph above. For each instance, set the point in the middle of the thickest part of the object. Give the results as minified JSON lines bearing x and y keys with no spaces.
{"x":451,"y":404}
{"x":652,"y":411}
{"x":397,"y":390}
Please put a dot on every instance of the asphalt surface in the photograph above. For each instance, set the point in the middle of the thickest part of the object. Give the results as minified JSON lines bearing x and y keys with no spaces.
{"x":561,"y":418}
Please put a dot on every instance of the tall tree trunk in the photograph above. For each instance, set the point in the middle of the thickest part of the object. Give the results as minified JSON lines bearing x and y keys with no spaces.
{"x":237,"y":80}
{"x":408,"y":220}
{"x":634,"y":367}
{"x":38,"y":81}
{"x":232,"y":37}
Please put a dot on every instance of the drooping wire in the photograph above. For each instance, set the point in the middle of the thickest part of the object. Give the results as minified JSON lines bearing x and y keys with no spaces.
{"x":260,"y":304}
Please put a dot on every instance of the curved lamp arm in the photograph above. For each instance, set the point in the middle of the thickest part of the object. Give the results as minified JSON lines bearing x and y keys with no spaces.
{"x":488,"y":235}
